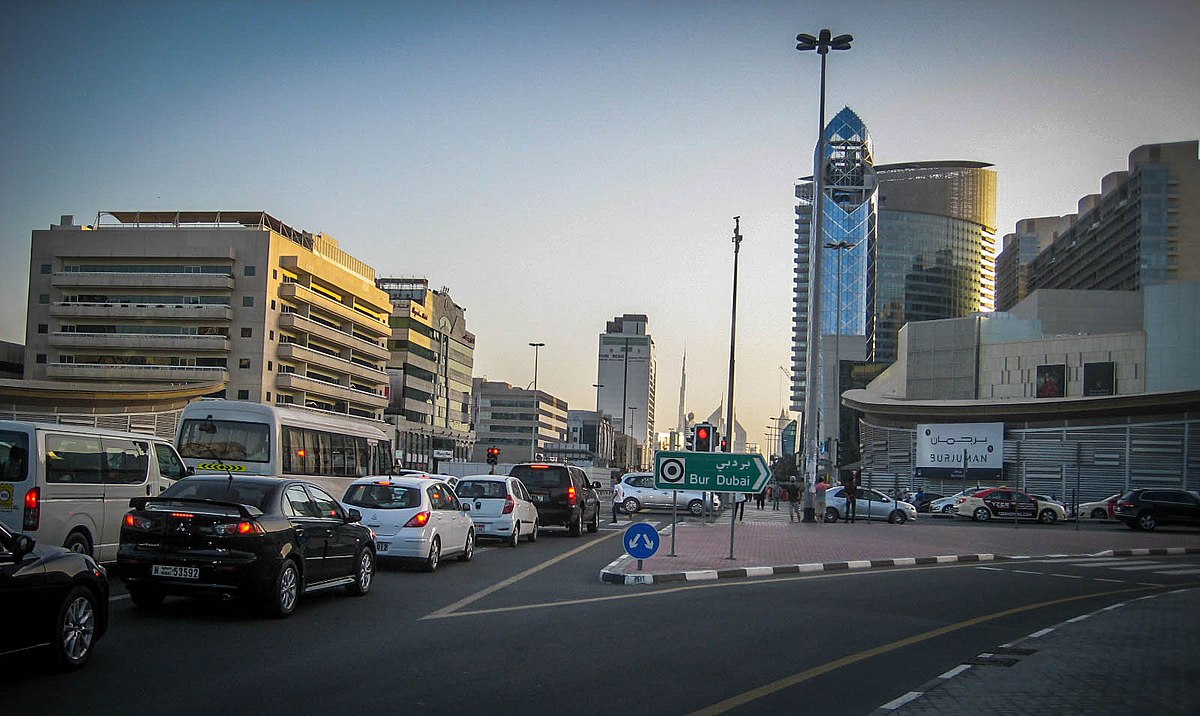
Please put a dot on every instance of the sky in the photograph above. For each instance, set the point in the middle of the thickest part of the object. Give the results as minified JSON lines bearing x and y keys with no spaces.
{"x":557,"y":164}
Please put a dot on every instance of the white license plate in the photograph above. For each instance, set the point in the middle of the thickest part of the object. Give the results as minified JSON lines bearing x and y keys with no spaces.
{"x":381,"y":546}
{"x":166,"y":570}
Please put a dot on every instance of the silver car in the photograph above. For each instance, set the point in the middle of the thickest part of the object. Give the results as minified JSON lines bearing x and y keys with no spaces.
{"x":869,"y":505}
{"x":641,"y":494}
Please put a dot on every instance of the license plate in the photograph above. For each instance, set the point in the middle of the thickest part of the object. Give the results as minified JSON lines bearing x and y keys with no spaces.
{"x":381,"y":546}
{"x":166,"y":570}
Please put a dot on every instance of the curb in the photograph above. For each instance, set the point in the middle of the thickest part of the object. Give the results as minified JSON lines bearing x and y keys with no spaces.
{"x":609,"y":575}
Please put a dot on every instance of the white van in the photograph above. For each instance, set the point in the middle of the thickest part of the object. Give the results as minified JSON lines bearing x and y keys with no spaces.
{"x":76,"y":488}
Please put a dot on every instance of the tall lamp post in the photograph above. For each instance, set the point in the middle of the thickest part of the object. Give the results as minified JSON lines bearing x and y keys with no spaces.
{"x":536,"y":402}
{"x":632,"y":409}
{"x":839,"y":246}
{"x":822,"y":44}
{"x":737,"y":244}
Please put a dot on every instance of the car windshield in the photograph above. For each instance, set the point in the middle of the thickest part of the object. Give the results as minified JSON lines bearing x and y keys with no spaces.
{"x":541,"y":477}
{"x":383,"y":497}
{"x":481,"y":488}
{"x":243,"y":493}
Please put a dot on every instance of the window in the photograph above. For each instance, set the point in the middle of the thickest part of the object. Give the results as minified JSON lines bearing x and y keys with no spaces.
{"x":43,"y":298}
{"x":243,"y":363}
{"x":169,"y":464}
{"x":247,"y":301}
{"x":43,"y":328}
{"x":270,"y":365}
{"x":248,"y":271}
{"x":243,"y":395}
{"x":272,"y":304}
{"x":297,"y":504}
{"x":39,"y":358}
{"x":14,"y":453}
{"x":45,"y":268}
{"x":247,"y":333}
{"x":73,"y":459}
{"x":327,"y":507}
{"x":125,"y":461}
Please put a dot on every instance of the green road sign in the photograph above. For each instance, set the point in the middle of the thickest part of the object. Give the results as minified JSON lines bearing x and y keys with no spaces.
{"x":711,"y":471}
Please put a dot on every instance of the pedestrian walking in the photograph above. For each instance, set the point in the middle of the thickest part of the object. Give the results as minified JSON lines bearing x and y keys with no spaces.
{"x":739,"y":505}
{"x":760,"y":500}
{"x":819,"y":499}
{"x":776,"y":496}
{"x":617,"y":498}
{"x":851,"y":494}
{"x":793,"y":498}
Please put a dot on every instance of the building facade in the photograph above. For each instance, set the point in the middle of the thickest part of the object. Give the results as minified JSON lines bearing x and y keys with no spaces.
{"x":429,"y":373}
{"x":519,"y":422}
{"x":1142,"y":229}
{"x":626,"y":376}
{"x":266,"y":312}
{"x":594,"y":430}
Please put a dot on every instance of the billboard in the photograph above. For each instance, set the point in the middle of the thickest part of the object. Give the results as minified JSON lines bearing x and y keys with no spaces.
{"x":1051,"y":381}
{"x":944,"y":448}
{"x":1100,"y":378}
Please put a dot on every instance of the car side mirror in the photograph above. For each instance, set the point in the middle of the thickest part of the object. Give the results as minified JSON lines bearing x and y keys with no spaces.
{"x":189,"y":471}
{"x":24,"y":545}
{"x":466,"y":507}
{"x":596,"y":485}
{"x":353,"y":515}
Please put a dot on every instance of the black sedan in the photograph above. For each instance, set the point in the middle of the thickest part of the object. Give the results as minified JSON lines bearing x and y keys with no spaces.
{"x":50,"y":597}
{"x":264,"y":539}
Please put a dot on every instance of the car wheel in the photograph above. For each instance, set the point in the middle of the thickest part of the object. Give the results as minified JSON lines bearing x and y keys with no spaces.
{"x":79,"y":543}
{"x":981,"y":514}
{"x":897,"y":517}
{"x":75,"y":630}
{"x":594,"y":525}
{"x":831,"y":515}
{"x":435,"y":556}
{"x":631,"y":505}
{"x":282,"y":602}
{"x":696,"y":507}
{"x":469,"y":548}
{"x":516,"y":535}
{"x":1047,"y":517}
{"x":532,"y":536}
{"x":576,"y":527}
{"x":364,"y":573}
{"x":146,"y":597}
{"x":1146,"y":521}
{"x":1099,"y":514}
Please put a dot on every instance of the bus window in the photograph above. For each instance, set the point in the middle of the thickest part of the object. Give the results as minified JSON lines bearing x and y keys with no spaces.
{"x":208,"y":439}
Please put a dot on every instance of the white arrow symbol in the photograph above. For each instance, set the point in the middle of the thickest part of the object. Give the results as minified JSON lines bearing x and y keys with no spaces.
{"x":643,"y":538}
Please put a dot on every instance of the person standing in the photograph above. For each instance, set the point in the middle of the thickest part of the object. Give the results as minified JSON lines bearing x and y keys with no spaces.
{"x":739,"y":505}
{"x":760,"y":500}
{"x":819,"y":505}
{"x":776,"y":495}
{"x":793,"y":498}
{"x":851,"y":494}
{"x":617,"y":498}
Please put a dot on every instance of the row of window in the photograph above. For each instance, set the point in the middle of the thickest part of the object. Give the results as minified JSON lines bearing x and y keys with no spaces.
{"x":313,"y":452}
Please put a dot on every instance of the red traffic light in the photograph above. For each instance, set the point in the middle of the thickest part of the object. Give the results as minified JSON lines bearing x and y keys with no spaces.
{"x":702,"y":433}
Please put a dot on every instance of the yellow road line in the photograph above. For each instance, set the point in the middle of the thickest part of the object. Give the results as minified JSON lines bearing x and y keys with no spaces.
{"x":795,"y":679}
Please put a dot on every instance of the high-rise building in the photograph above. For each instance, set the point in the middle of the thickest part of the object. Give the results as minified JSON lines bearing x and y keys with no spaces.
{"x":519,"y":422}
{"x":626,"y":376}
{"x":261,"y":310}
{"x":1020,"y":249}
{"x":432,"y":358}
{"x":1142,"y":229}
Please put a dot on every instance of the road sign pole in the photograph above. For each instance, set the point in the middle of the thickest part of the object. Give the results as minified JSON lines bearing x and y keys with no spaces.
{"x":674,"y":517}
{"x":732,"y":522}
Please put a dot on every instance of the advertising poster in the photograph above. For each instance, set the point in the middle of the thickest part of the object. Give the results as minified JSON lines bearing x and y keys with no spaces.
{"x":1051,"y":381}
{"x":1100,"y":378}
{"x":944,"y":449}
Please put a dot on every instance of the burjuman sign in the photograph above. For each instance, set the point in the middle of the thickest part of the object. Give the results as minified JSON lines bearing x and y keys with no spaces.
{"x":943,"y":450}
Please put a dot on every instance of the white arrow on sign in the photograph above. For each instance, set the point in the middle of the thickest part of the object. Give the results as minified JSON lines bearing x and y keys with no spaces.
{"x":643,"y":538}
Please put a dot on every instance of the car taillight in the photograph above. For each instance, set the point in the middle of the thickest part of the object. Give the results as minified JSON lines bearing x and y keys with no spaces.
{"x":33,"y":509}
{"x":509,"y":504}
{"x":419,"y":520}
{"x":138,"y":523}
{"x":571,"y":496}
{"x":245,"y":527}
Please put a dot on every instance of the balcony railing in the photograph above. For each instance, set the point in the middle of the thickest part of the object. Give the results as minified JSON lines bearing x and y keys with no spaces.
{"x":160,"y":311}
{"x":155,"y":373}
{"x":97,"y":279}
{"x":157,"y":341}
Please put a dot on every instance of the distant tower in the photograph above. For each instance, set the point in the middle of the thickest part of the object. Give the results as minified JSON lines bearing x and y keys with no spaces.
{"x":681,"y":422}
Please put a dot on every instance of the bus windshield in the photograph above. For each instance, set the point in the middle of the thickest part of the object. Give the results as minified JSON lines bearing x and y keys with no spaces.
{"x":209,"y":439}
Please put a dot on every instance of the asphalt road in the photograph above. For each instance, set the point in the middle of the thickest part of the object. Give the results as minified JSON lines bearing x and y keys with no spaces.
{"x":532,"y":630}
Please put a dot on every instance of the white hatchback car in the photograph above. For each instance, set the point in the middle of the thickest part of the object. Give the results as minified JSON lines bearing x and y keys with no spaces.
{"x":641,"y":494}
{"x":414,"y":518}
{"x":500,"y":507}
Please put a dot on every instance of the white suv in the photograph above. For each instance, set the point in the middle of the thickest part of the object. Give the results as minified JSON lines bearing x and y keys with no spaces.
{"x":641,"y":494}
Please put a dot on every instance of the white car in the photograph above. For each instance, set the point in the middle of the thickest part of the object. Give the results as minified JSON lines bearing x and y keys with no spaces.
{"x":500,"y":507}
{"x":1097,"y":510}
{"x":869,"y":504}
{"x":641,"y":494}
{"x":945,"y":505}
{"x":414,"y":518}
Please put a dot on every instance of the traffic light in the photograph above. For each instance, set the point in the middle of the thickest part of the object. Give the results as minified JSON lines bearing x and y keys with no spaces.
{"x":689,"y":441}
{"x":704,"y":437}
{"x":493,"y":455}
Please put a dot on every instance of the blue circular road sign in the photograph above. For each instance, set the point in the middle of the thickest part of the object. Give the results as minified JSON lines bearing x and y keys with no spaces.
{"x":641,"y":540}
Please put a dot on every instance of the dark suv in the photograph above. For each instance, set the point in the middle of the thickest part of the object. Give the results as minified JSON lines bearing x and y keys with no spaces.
{"x":562,"y":494}
{"x":1148,"y":508}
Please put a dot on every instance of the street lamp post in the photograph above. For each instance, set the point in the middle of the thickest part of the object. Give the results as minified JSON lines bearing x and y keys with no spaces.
{"x":737,"y":244}
{"x":838,"y":246}
{"x":536,"y":401}
{"x":822,"y":44}
{"x":632,"y":409}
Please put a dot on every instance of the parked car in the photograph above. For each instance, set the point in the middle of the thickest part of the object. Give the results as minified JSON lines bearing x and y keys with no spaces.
{"x":417,"y":519}
{"x":1100,"y":509}
{"x":641,"y":494}
{"x":945,"y":505}
{"x":1004,"y":502}
{"x":563,"y":495}
{"x":1147,"y":508}
{"x":926,"y":498}
{"x":50,"y":598}
{"x":500,"y":507}
{"x":265,"y":539}
{"x":869,"y":504}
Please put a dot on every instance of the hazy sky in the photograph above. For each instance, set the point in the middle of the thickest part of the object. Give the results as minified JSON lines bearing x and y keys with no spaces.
{"x":556,"y":164}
